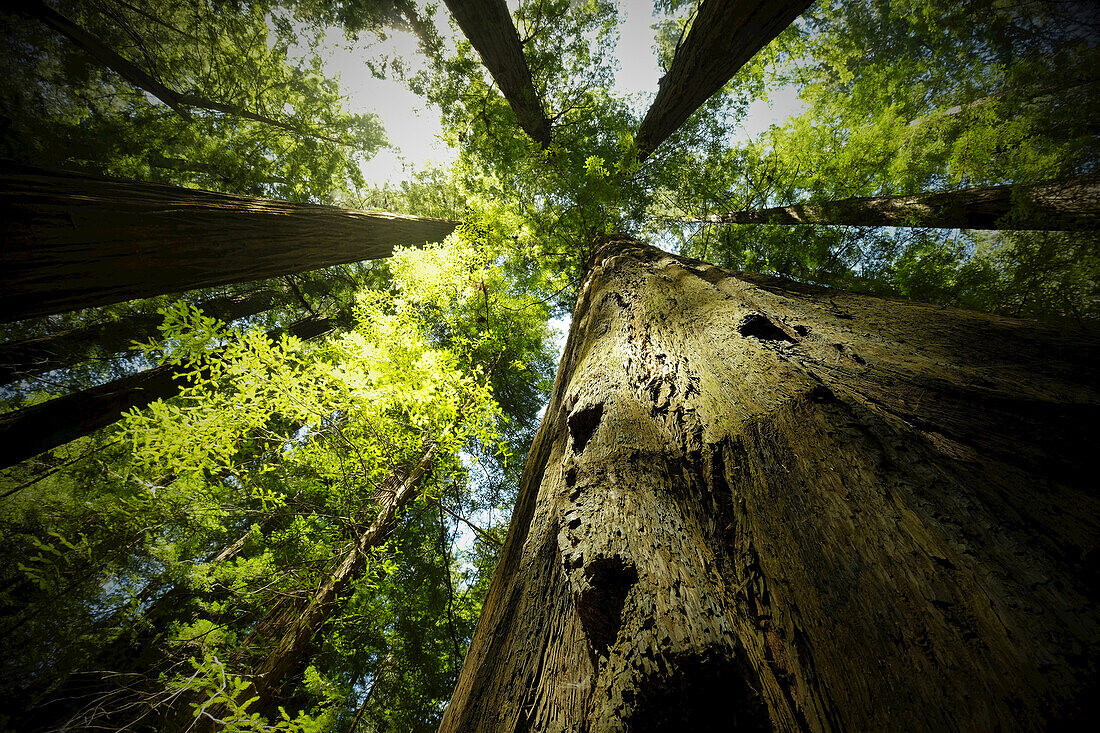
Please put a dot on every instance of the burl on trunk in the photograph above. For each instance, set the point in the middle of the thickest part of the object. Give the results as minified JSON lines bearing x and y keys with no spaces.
{"x":761,"y":505}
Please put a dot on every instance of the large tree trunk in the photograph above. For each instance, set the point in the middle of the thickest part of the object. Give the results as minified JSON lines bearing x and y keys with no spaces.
{"x":759,"y":505}
{"x":31,"y":430}
{"x":141,"y":79}
{"x":1069,"y":204}
{"x":33,"y":356}
{"x":722,"y":38}
{"x":488,"y":25}
{"x":69,"y":240}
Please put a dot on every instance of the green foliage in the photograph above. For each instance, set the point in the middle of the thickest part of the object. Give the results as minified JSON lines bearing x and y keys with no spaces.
{"x":902,"y":98}
{"x":213,"y":509}
{"x":176,"y":547}
{"x":285,"y":134}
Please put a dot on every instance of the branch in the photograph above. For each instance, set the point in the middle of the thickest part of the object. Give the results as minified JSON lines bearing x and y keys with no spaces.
{"x":488,"y":26}
{"x":106,"y":56}
{"x":480,"y":532}
{"x":143,"y":80}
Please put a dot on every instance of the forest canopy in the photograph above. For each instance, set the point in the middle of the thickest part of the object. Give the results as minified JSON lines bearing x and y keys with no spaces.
{"x":278,"y":503}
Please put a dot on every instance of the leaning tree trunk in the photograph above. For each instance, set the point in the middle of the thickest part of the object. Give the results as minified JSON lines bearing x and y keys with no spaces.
{"x":31,"y":430}
{"x":489,"y":27}
{"x":178,"y":101}
{"x":69,"y":240}
{"x":723,"y":37}
{"x":33,"y":356}
{"x":759,"y":505}
{"x":1069,"y":204}
{"x":295,"y":628}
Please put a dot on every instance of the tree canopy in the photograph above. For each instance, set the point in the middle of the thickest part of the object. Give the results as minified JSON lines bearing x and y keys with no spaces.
{"x":299,"y":534}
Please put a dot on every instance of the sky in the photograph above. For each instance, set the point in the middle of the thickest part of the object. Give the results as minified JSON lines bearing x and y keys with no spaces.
{"x":413,"y":127}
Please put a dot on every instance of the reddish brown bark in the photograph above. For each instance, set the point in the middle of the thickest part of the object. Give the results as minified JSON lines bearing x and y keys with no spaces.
{"x":759,"y":505}
{"x":70,"y":241}
{"x":488,"y":26}
{"x":723,"y":37}
{"x":1070,"y":204}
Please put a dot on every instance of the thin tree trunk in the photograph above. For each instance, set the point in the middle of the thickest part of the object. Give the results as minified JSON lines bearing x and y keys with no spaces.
{"x":723,"y":37}
{"x":31,"y":430}
{"x":31,"y":357}
{"x":1069,"y":204}
{"x":488,"y":26}
{"x":759,"y":505}
{"x":105,"y":55}
{"x":69,"y":240}
{"x":297,"y":627}
{"x":141,"y":79}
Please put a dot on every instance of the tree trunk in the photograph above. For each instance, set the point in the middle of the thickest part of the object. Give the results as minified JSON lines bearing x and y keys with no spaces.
{"x":31,"y":430}
{"x":759,"y":505}
{"x":488,"y":25}
{"x":69,"y":240}
{"x":31,"y":357}
{"x":141,"y":79}
{"x":1069,"y":204}
{"x":723,"y":37}
{"x":296,"y":627}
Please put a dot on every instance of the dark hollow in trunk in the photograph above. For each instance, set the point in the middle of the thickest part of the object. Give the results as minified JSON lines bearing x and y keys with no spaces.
{"x":722,"y":38}
{"x":31,"y":430}
{"x":1070,"y":204}
{"x":869,"y":515}
{"x":294,"y":629}
{"x":69,"y":240}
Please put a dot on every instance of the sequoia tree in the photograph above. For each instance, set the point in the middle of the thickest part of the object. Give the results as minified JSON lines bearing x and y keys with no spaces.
{"x":757,"y":504}
{"x":752,"y":502}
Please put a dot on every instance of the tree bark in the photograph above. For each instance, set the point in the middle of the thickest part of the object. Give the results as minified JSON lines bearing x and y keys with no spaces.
{"x":33,"y":356}
{"x":1069,"y":204}
{"x":69,"y":240}
{"x":488,"y":25}
{"x":724,"y":36}
{"x":31,"y":430}
{"x":759,"y":505}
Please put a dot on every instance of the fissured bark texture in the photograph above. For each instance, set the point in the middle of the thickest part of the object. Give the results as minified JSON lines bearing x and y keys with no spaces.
{"x":765,"y":506}
{"x":69,"y":240}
